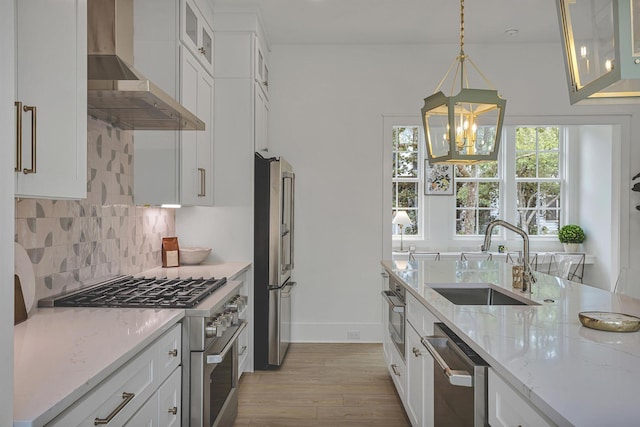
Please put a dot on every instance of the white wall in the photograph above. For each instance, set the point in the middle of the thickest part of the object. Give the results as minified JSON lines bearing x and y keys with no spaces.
{"x":7,"y":158}
{"x":598,"y":208}
{"x":327,"y":103}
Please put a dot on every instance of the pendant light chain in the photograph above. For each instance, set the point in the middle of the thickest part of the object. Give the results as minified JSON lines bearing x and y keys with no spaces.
{"x":462,"y":28}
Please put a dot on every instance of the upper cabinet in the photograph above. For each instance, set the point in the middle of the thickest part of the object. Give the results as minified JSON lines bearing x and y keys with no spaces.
{"x":261,"y":66}
{"x":196,"y":33}
{"x":51,"y":99}
{"x":241,"y":105}
{"x":175,"y":167}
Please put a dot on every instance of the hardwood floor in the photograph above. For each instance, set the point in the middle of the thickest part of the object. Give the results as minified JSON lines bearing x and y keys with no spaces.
{"x":322,"y":385}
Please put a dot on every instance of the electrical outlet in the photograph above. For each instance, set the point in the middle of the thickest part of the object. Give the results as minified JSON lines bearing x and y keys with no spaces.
{"x":353,"y":335}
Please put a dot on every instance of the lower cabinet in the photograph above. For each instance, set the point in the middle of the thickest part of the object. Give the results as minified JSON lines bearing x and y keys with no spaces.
{"x":419,"y":364}
{"x":161,"y":410}
{"x":508,"y":408}
{"x":125,"y":394}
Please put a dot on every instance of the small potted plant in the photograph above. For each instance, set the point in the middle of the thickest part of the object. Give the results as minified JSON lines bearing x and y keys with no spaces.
{"x":571,"y":236}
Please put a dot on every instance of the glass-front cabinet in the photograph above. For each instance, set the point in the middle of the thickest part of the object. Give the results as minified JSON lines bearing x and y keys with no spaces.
{"x":197,"y":34}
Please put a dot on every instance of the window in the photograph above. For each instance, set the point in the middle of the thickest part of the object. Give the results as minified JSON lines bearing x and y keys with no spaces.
{"x":538,"y":179}
{"x":406,"y":175}
{"x":477,"y":197}
{"x":526,"y":186}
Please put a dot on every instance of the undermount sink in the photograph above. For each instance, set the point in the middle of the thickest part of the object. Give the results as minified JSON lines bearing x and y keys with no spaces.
{"x":478,"y":294}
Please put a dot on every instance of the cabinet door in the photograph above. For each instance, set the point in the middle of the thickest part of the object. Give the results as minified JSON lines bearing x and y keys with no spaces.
{"x":261,"y":120}
{"x":197,"y":34}
{"x":169,"y":400}
{"x":196,"y":175}
{"x":416,"y":378}
{"x":147,"y":416}
{"x":51,"y":56}
{"x":261,"y":66}
{"x":508,"y":408}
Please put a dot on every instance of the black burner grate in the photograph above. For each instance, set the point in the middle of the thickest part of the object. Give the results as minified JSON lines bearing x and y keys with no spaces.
{"x":144,"y":292}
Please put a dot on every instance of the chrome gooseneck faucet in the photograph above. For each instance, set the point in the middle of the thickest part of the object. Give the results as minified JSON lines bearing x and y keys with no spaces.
{"x":528,"y":278}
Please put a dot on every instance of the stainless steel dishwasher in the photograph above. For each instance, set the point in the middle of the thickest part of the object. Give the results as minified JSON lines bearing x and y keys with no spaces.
{"x":459,"y":380}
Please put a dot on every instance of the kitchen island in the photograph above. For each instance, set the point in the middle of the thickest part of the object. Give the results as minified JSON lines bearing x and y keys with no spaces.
{"x":572,"y":374}
{"x":62,"y":355}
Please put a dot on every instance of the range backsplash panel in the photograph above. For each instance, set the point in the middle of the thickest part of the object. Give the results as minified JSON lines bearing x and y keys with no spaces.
{"x":75,"y":242}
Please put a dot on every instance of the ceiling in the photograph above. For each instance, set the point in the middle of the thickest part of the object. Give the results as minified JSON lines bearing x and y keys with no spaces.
{"x":401,"y":21}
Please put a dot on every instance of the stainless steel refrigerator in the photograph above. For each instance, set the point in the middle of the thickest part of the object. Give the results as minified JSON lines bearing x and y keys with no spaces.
{"x":273,"y":259}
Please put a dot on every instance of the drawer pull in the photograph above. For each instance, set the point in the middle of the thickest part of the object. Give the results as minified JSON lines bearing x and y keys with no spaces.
{"x":173,"y":410}
{"x":416,"y":352}
{"x":18,"y":106}
{"x":33,"y":110}
{"x":243,"y":349}
{"x":126,"y":399}
{"x":174,"y":352}
{"x":394,"y":368}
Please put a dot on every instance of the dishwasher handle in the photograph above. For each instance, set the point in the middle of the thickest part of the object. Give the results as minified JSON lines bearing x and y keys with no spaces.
{"x":456,"y":378}
{"x":394,"y":302}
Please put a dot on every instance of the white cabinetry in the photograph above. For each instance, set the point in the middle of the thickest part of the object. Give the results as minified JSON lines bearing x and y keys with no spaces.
{"x":261,"y":66}
{"x":508,"y":408}
{"x":135,"y":388}
{"x":161,"y":410}
{"x":197,"y":146}
{"x":175,"y":167}
{"x":196,"y":33}
{"x":51,"y":99}
{"x":420,"y":398}
{"x":241,"y":106}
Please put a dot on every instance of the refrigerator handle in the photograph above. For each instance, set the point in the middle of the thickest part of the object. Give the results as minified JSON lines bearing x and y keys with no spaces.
{"x":293,"y":198}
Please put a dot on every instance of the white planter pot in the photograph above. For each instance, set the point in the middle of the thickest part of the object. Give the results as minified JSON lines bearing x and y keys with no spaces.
{"x":571,"y":247}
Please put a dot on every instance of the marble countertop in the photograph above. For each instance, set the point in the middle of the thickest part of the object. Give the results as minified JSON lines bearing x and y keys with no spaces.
{"x":575,"y":375}
{"x":62,"y":353}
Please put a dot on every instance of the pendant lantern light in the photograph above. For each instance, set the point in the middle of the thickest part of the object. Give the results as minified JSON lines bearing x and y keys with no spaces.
{"x":601,"y":46}
{"x":464,"y":128}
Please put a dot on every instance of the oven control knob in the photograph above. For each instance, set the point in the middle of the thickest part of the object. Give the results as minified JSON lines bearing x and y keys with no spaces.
{"x":211,"y":330}
{"x":221,"y":326}
{"x":233,"y":314}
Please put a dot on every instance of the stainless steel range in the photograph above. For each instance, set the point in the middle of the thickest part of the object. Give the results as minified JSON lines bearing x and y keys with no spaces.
{"x":210,"y":330}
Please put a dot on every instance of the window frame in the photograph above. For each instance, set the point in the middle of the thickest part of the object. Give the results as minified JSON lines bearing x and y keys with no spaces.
{"x":419,"y":180}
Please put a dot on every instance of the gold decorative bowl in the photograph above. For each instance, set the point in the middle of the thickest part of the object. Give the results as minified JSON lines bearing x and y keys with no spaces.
{"x":611,"y":322}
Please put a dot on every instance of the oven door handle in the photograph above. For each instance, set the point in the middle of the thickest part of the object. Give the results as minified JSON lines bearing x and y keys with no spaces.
{"x":218,"y":357}
{"x":456,"y":378}
{"x":394,"y":302}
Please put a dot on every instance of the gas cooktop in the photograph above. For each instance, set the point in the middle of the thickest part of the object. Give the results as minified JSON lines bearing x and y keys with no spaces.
{"x":151,"y":292}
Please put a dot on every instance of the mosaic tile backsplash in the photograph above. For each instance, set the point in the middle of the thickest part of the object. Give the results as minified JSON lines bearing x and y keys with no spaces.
{"x":72,"y":242}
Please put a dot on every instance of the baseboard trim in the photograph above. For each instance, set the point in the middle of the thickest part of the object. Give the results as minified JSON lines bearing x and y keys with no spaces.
{"x":336,"y":332}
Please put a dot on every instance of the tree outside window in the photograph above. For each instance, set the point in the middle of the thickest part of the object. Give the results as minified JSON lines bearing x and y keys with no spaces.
{"x":538,"y":179}
{"x":477,"y":197}
{"x":406,"y":176}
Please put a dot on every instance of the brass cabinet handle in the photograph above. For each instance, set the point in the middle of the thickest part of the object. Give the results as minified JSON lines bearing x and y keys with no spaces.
{"x":394,"y":368}
{"x":174,"y":352}
{"x":203,"y":182}
{"x":32,"y":109}
{"x":173,"y":410}
{"x":416,"y":352}
{"x":126,"y":399}
{"x":265,"y":84}
{"x":18,"y":106}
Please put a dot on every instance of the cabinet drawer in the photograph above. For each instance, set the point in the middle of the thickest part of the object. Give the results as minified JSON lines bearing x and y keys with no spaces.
{"x":419,"y":316}
{"x":169,"y":400}
{"x":508,"y":408}
{"x":124,"y":392}
{"x":169,"y":353}
{"x":137,"y":378}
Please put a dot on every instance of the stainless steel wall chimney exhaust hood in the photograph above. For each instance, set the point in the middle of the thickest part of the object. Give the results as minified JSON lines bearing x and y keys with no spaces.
{"x":117,"y":93}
